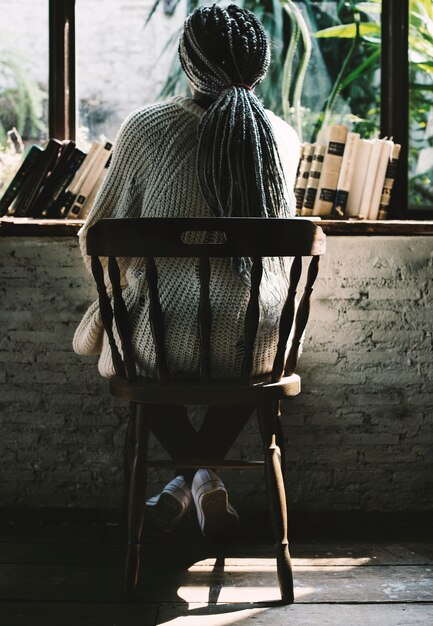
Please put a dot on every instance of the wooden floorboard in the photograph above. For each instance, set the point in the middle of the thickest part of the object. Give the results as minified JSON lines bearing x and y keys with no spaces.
{"x":114,"y":553}
{"x":77,"y":614}
{"x":299,"y":615}
{"x":71,"y":575}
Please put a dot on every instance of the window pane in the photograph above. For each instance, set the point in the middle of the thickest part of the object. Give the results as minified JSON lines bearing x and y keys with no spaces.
{"x":122,"y":62}
{"x":23,"y":78}
{"x":421,"y":104}
{"x":342,"y":80}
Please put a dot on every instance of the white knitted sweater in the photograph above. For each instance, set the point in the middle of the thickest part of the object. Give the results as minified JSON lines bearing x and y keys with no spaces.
{"x":153,"y":174}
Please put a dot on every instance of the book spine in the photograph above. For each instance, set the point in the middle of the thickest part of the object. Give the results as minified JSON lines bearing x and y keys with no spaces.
{"x":25,"y":201}
{"x":358,"y":180}
{"x":326,"y":191}
{"x":29,"y":164}
{"x":52,"y":180}
{"x":313,"y":179}
{"x":364,"y":206}
{"x":385,"y":157}
{"x":66,"y":201}
{"x":301,"y":153}
{"x":345,"y":175}
{"x":303,"y":173}
{"x":52,"y":208}
{"x":390,"y":175}
{"x":73,"y":188}
{"x":102,"y":161}
{"x":88,"y":204}
{"x":84,"y":170}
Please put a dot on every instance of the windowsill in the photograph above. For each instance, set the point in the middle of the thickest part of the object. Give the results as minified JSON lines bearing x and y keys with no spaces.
{"x":25,"y":227}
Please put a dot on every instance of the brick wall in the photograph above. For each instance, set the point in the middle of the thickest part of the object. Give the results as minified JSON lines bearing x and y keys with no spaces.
{"x":359,"y":435}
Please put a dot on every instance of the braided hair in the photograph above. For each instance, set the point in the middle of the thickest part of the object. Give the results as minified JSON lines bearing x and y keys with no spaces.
{"x":225,"y":53}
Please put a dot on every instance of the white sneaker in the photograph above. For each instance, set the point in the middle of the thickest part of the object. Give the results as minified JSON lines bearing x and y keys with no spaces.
{"x":164,"y":510}
{"x":215,"y":514}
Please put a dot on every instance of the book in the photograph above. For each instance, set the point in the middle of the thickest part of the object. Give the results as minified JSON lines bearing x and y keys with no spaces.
{"x":100,"y":162}
{"x":373,"y":162}
{"x":376,"y":194}
{"x":90,"y":200}
{"x":51,"y":207}
{"x":27,"y":167}
{"x":313,"y":179}
{"x":301,"y":152}
{"x":326,"y":191}
{"x":303,"y":172}
{"x":71,"y":192}
{"x":54,"y":179}
{"x":346,"y":174}
{"x":358,"y":178}
{"x":390,"y":175}
{"x":26,"y":197}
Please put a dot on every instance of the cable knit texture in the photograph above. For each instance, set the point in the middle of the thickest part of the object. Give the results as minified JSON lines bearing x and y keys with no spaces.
{"x":153,"y":174}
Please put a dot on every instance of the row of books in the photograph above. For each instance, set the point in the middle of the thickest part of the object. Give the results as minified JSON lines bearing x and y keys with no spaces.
{"x":58,"y":181}
{"x":346,"y":176}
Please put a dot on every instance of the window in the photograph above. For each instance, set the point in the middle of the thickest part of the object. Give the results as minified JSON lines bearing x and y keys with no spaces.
{"x":370,"y":65}
{"x":23,"y":79}
{"x":420,"y":105}
{"x":121,"y":62}
{"x":342,"y":79}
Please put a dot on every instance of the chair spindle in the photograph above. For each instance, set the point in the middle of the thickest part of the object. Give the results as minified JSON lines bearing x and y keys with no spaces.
{"x":252,"y":319}
{"x":302,"y":315}
{"x":286,"y":319}
{"x":107,"y":315}
{"x":122,"y":319}
{"x":156,"y":319}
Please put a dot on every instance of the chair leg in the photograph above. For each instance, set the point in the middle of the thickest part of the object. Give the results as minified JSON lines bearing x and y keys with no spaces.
{"x":128,"y":459}
{"x":129,"y":449}
{"x":137,"y":497}
{"x":280,"y":437}
{"x":277,"y":498}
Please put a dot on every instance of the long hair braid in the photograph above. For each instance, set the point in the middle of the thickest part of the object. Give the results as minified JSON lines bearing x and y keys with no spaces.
{"x":225,"y":53}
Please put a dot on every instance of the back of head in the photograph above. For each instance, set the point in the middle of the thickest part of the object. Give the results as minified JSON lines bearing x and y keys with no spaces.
{"x":225,"y":53}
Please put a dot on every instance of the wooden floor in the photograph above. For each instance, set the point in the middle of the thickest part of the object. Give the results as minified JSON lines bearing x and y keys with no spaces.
{"x":71,"y":575}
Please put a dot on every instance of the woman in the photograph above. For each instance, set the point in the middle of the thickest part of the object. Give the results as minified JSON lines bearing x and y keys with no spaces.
{"x":217,"y":153}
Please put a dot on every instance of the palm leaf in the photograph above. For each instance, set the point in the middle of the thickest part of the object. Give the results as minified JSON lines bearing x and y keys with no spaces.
{"x":369,"y":7}
{"x":359,"y":70}
{"x":349,"y":31}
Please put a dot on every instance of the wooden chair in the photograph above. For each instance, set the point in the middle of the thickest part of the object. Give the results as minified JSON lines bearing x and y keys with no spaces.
{"x":244,"y":237}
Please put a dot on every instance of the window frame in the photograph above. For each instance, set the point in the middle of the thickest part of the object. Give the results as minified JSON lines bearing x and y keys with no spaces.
{"x":61,"y":72}
{"x":394,"y":118}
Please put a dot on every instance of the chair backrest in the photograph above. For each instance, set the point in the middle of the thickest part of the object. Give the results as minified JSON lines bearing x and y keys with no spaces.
{"x":151,"y":238}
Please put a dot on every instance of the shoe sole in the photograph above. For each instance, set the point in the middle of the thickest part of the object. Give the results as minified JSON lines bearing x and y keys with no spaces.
{"x":165,"y":513}
{"x":217,"y":518}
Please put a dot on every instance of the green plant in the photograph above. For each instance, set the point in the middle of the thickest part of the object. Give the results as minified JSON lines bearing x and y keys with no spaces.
{"x":346,"y":48}
{"x":300,"y":41}
{"x":11,"y":153}
{"x":354,"y":75}
{"x":421,"y":102}
{"x":353,"y":66}
{"x":21,"y":98}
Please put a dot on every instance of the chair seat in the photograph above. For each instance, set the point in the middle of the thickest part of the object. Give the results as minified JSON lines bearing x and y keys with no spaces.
{"x":144,"y":390}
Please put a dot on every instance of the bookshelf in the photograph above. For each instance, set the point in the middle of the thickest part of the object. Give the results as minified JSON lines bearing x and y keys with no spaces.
{"x":27,"y":227}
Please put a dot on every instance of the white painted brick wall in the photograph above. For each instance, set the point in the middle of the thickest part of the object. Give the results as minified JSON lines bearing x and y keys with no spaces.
{"x":359,"y":435}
